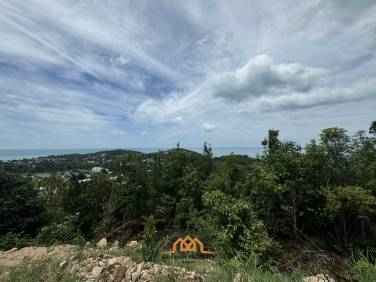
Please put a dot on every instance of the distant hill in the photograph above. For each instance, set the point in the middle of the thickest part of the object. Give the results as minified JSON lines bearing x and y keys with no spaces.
{"x":110,"y":159}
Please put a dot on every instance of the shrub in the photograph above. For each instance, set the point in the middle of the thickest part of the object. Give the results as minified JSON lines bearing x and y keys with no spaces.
{"x":11,"y":240}
{"x":240,"y":233}
{"x":61,"y":233}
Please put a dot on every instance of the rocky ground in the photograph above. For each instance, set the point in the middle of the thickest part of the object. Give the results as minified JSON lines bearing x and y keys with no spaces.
{"x":95,"y":265}
{"x":104,"y":264}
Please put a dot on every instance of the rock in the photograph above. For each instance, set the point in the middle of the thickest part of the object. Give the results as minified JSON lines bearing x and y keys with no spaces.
{"x":113,"y":261}
{"x":135,"y":276}
{"x":97,"y":270}
{"x":102,"y":267}
{"x":141,"y":266}
{"x":102,"y":243}
{"x":164,"y":272}
{"x":87,"y":244}
{"x":318,"y":278}
{"x":115,"y":244}
{"x":11,"y":251}
{"x":132,"y":244}
{"x":63,"y":264}
{"x":146,"y":276}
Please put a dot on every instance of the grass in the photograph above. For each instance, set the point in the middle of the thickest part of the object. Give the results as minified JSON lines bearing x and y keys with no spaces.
{"x":256,"y":274}
{"x":218,"y":271}
{"x":364,"y":271}
{"x":46,"y":270}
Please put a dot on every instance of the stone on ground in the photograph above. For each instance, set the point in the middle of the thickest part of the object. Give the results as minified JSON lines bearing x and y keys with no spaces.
{"x":102,"y":243}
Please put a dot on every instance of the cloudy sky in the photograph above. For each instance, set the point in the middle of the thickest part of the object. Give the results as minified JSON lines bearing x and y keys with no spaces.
{"x":119,"y":73}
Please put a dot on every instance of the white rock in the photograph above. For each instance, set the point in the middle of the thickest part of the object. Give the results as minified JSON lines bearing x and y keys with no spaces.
{"x":115,"y":244}
{"x":96,"y":271}
{"x":102,"y":243}
{"x":318,"y":278}
{"x":135,"y":276}
{"x":113,"y":261}
{"x":146,"y":276}
{"x":11,"y":251}
{"x":63,"y":264}
{"x":132,"y":244}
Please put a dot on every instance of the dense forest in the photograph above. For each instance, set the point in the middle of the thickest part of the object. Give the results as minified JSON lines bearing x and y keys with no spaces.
{"x":269,"y":208}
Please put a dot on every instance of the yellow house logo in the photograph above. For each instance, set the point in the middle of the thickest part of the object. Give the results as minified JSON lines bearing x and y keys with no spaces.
{"x":188,"y":245}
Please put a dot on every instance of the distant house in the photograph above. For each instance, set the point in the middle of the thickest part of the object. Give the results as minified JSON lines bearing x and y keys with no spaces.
{"x":84,"y":180}
{"x":96,"y":169}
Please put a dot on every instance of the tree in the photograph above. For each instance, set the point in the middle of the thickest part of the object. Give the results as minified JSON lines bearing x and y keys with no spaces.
{"x":363,"y":161}
{"x":372,"y":128}
{"x":336,"y":146}
{"x":350,"y":209}
{"x":240,"y":232}
{"x":207,"y":160}
{"x":271,"y":143}
{"x":20,"y":207}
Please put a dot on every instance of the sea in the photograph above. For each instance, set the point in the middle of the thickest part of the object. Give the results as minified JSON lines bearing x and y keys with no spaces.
{"x":32,"y":153}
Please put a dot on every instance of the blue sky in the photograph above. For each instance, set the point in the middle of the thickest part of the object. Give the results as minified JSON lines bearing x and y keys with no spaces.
{"x":85,"y":74}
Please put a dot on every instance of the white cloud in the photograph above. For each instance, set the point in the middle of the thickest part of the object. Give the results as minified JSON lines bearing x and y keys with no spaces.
{"x":179,"y":119}
{"x":261,"y":77}
{"x":258,"y":86}
{"x":88,"y":69}
{"x":324,"y":96}
{"x":208,"y":126}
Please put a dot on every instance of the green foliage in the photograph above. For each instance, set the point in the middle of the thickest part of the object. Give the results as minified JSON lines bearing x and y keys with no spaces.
{"x":42,"y":270}
{"x":322,"y":196}
{"x":20,"y":208}
{"x":11,"y":240}
{"x":240,"y":270}
{"x":351,"y":209}
{"x":240,"y":232}
{"x":372,"y":128}
{"x":61,"y":233}
{"x":364,"y":270}
{"x":150,"y":247}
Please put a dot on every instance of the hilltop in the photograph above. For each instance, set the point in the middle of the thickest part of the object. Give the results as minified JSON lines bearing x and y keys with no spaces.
{"x":291,"y":209}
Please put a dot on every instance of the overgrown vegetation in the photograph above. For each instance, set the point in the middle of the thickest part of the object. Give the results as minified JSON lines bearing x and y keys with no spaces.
{"x":287,"y":205}
{"x":41,"y":270}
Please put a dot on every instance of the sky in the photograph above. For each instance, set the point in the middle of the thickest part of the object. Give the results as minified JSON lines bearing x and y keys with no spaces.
{"x":145,"y":73}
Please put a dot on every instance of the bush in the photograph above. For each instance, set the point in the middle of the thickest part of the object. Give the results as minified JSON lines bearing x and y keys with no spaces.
{"x":11,"y":240}
{"x":149,"y":247}
{"x":62,"y":233}
{"x":240,"y":233}
{"x":20,"y":207}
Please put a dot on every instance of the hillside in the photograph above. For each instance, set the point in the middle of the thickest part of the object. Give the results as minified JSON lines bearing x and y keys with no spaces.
{"x":310,"y":210}
{"x":73,"y":263}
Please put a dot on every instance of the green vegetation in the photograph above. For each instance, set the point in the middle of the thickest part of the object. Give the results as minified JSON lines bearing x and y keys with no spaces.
{"x":47,"y":270}
{"x":284,"y":210}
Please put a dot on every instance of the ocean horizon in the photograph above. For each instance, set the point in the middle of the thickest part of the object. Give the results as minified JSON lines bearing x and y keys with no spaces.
{"x":17,"y":154}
